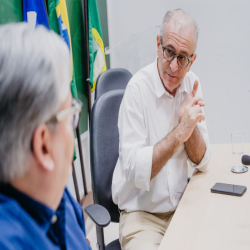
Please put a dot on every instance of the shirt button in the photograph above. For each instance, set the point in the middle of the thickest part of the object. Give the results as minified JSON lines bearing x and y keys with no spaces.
{"x":54,"y":219}
{"x":168,"y":172}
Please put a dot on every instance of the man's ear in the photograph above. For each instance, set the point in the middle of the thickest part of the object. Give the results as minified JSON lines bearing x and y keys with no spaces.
{"x":42,"y":147}
{"x":158,"y":39}
{"x":192,"y":61}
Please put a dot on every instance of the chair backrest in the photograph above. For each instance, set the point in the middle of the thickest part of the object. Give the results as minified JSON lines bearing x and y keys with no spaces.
{"x":104,"y":148}
{"x":112,"y":79}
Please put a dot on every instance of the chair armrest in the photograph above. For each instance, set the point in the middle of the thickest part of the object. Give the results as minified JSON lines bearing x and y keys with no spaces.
{"x":98,"y":214}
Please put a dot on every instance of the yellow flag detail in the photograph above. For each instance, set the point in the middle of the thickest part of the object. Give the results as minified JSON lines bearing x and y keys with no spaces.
{"x":62,"y":16}
{"x":99,"y":62}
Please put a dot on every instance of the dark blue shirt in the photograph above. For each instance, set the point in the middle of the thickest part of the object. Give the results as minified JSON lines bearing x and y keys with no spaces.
{"x":28,"y":224}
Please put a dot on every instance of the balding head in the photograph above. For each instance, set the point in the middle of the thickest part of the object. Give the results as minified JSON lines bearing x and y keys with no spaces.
{"x":181,"y":20}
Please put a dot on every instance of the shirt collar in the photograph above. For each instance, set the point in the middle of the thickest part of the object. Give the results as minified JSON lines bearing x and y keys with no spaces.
{"x":159,"y":89}
{"x":183,"y":86}
{"x":40,"y":213}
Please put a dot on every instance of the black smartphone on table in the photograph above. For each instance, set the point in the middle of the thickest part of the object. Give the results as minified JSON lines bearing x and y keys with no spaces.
{"x":229,"y":189}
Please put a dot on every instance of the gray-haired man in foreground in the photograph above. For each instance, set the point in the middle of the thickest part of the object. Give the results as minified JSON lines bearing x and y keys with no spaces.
{"x":37,"y":117}
{"x":161,"y":127}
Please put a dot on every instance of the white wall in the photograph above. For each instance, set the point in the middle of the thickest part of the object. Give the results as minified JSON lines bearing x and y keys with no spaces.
{"x":223,"y":62}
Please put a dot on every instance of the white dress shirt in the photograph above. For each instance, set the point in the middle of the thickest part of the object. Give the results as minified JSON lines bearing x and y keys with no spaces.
{"x":147,"y":114}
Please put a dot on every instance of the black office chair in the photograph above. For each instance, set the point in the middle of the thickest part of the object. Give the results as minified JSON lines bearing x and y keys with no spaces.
{"x":112,"y":79}
{"x":104,"y":151}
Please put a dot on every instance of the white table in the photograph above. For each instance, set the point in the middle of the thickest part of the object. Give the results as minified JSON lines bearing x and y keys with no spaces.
{"x":209,"y":221}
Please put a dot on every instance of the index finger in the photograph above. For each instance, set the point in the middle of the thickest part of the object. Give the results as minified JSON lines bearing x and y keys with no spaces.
{"x":196,"y":83}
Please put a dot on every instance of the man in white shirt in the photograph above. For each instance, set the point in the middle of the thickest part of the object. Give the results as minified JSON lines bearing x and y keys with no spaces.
{"x":162,"y":128}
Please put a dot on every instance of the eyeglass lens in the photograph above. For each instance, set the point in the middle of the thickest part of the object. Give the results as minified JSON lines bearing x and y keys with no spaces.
{"x":181,"y":59}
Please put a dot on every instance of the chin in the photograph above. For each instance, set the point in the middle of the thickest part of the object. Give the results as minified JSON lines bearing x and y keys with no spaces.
{"x":170,"y":85}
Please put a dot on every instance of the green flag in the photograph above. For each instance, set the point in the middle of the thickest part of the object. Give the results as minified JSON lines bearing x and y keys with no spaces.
{"x":11,"y":11}
{"x":58,"y":19}
{"x":96,"y":46}
{"x":78,"y":86}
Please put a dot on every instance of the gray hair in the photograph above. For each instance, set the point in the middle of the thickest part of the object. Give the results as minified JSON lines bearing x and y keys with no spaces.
{"x":180,"y":15}
{"x":34,"y":81}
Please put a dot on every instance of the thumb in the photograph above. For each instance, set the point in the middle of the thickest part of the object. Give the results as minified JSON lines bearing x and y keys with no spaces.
{"x":196,"y":83}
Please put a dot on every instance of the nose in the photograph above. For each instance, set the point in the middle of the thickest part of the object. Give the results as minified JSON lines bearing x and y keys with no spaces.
{"x":174,"y":65}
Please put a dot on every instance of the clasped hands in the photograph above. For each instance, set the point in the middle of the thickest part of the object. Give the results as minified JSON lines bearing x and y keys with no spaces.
{"x":190,"y":112}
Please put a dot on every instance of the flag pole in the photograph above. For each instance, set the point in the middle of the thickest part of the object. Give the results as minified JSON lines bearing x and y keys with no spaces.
{"x":87,"y":69}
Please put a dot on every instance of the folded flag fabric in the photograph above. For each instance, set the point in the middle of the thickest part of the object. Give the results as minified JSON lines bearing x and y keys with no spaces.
{"x":96,"y":47}
{"x":64,"y":29}
{"x":34,"y":13}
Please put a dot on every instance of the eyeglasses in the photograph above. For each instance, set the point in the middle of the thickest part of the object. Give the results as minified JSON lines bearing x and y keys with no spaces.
{"x":74,"y":110}
{"x":182,"y":60}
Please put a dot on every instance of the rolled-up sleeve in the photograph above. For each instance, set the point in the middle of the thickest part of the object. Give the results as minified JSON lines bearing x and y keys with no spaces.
{"x":202,"y":166}
{"x":135,"y":155}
